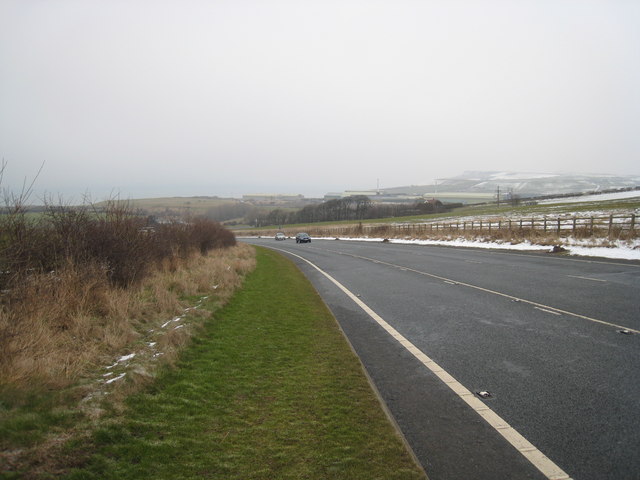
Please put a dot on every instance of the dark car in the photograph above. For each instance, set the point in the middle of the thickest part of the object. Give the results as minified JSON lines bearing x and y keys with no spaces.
{"x":303,"y":238}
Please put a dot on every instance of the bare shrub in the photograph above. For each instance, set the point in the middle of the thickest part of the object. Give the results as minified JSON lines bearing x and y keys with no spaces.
{"x":69,"y":278}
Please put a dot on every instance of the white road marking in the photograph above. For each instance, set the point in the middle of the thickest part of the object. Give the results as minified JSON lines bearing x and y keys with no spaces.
{"x":511,"y":297}
{"x":547,"y":311}
{"x":587,"y":278}
{"x":527,"y":449}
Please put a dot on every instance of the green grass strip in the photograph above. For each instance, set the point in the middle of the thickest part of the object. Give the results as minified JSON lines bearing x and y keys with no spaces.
{"x":269,"y":390}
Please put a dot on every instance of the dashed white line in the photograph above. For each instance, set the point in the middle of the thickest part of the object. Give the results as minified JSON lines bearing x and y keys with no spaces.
{"x":494,"y":292}
{"x":587,"y":278}
{"x":547,"y":311}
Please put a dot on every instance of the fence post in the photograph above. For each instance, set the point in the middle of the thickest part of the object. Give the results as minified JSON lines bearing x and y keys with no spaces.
{"x":559,"y":226}
{"x":545,"y":224}
{"x":591,"y":226}
{"x":633,"y":223}
{"x":610,"y":224}
{"x":574,"y":226}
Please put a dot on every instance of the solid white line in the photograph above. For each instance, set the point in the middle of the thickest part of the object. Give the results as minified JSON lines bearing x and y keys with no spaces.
{"x":527,"y":449}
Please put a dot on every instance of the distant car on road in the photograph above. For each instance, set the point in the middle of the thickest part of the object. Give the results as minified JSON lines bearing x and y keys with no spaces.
{"x":280,"y":236}
{"x":303,"y":238}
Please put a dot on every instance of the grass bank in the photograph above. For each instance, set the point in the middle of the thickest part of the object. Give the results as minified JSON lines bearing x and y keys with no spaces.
{"x":62,"y":382}
{"x":269,"y":390}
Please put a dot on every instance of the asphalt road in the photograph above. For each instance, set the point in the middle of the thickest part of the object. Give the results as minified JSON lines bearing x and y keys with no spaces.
{"x":540,"y":332}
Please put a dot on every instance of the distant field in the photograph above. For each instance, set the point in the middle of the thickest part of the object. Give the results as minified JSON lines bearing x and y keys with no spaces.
{"x":462,"y":197}
{"x":215,"y":208}
{"x":505,"y":210}
{"x":195,"y":205}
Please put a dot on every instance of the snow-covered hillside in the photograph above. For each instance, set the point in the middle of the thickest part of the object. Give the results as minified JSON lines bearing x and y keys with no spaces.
{"x":524,"y":184}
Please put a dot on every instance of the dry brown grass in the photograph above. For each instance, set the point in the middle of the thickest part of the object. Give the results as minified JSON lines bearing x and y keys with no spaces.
{"x":72,"y":330}
{"x":62,"y":325}
{"x":57,"y":324}
{"x":584,"y":234}
{"x":500,"y":236}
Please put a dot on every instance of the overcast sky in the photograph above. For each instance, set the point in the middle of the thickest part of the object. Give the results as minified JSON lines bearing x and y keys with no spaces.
{"x":225,"y":97}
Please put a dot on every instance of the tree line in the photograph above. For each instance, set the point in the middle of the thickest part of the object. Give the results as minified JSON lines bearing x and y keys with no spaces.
{"x":356,"y":208}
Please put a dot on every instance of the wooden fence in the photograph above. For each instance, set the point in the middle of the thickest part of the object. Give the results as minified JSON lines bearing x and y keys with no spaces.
{"x":612,"y":226}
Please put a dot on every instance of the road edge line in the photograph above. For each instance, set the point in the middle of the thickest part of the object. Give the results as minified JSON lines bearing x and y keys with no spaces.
{"x":543,"y":463}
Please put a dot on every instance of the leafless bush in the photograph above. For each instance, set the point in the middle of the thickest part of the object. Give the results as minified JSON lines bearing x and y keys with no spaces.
{"x":63,"y":274}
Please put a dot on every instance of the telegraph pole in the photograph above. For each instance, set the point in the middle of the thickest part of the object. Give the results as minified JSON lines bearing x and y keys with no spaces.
{"x":498,"y":195}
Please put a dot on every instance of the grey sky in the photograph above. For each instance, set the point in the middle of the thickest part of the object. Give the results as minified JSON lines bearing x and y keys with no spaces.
{"x":222,"y":97}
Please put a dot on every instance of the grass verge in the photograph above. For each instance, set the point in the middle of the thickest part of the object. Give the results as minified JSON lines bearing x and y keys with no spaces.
{"x":269,"y":390}
{"x":62,"y":382}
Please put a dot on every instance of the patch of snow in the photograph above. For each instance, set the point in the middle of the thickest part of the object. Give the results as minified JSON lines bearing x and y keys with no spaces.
{"x":116,"y":378}
{"x":126,"y":357}
{"x":462,"y":242}
{"x":618,"y":253}
{"x":521,"y":176}
{"x":593,"y":198}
